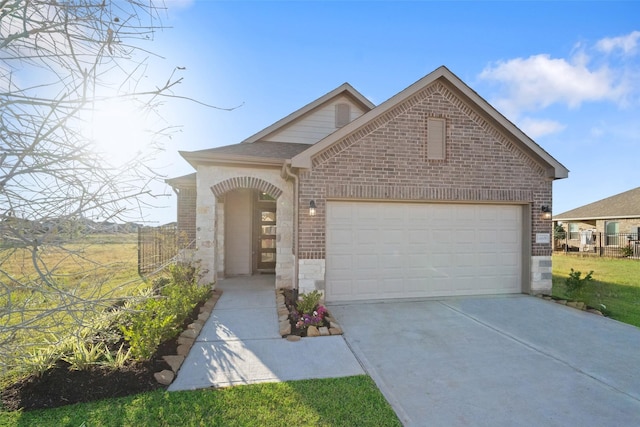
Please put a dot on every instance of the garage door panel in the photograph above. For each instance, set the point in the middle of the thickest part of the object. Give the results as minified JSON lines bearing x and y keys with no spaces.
{"x":341,"y":262}
{"x":391,"y":250}
{"x":366,"y":236}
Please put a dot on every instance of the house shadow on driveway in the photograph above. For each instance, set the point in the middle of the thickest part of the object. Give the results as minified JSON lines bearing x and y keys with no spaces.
{"x":497,"y":361}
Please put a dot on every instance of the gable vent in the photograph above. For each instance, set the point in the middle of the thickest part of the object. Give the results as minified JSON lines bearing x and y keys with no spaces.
{"x":343,"y":114}
{"x":436,"y":132}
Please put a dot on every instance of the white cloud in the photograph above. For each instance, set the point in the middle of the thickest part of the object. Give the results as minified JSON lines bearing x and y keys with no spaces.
{"x":627,"y":44}
{"x":536,"y":128}
{"x":539,"y":81}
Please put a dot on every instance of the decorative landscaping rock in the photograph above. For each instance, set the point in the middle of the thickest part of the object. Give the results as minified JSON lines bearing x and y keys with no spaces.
{"x":189,"y":333}
{"x":578,"y":305}
{"x":174,"y":361}
{"x":286,"y":322}
{"x":197,"y":327}
{"x":164,"y":377}
{"x":285,"y":328}
{"x":186,"y":341}
{"x":183,"y":349}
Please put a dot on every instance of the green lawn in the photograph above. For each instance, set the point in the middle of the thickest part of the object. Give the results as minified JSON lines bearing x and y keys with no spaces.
{"x":616,"y":284}
{"x":351,"y":401}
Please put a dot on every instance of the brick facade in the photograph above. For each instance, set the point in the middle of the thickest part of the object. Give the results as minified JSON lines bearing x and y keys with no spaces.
{"x":386,"y":160}
{"x":186,"y":216}
{"x":380,"y":156}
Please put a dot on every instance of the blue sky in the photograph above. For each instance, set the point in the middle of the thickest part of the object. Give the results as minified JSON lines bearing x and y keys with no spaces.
{"x":567,"y":73}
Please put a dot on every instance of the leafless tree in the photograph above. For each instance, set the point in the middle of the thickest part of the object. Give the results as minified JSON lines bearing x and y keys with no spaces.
{"x":60,"y":61}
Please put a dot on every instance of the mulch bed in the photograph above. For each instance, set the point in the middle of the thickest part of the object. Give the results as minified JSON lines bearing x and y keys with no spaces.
{"x":290,"y":302}
{"x":59,"y":386}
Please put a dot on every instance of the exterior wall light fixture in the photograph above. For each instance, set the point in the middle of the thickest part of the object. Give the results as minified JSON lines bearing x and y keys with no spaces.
{"x":312,"y":208}
{"x":546,"y":212}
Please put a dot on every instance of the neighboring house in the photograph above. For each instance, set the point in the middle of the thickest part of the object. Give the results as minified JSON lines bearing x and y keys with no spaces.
{"x":431,"y":193}
{"x":616,"y":219}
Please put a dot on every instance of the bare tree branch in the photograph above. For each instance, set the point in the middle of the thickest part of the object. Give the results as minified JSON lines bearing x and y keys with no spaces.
{"x":61,"y":62}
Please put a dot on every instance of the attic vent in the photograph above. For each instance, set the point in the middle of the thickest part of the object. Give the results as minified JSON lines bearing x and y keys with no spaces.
{"x":343,"y":114}
{"x":436,"y":134}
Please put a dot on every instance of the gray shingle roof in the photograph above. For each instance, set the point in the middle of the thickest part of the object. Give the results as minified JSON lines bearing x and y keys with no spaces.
{"x":265,"y":149}
{"x":623,"y":205}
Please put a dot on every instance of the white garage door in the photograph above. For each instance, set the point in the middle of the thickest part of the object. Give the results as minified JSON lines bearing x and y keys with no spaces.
{"x":402,"y":250}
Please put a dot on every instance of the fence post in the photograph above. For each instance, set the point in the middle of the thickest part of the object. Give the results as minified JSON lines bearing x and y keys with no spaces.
{"x":139,"y":253}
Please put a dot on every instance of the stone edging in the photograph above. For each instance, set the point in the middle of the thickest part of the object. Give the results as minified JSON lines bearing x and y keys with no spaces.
{"x":285,"y":326}
{"x":186,"y":340}
{"x":574,"y":304}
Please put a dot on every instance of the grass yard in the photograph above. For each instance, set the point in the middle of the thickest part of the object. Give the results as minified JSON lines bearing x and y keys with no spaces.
{"x":88,"y":275}
{"x":351,"y":401}
{"x":616,"y":284}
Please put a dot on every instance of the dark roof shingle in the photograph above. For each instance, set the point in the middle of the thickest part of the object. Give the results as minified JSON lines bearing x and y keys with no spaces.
{"x":623,"y":205}
{"x":265,"y":149}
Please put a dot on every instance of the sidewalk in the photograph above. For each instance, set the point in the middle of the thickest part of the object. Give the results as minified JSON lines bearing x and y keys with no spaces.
{"x":240,"y":344}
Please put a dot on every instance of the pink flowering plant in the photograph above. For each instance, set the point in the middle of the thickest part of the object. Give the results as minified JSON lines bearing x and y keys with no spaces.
{"x":305,"y":320}
{"x":308,"y":311}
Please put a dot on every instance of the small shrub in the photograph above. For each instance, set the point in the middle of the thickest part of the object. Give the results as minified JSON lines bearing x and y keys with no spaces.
{"x":117,"y":359}
{"x":40,"y":361}
{"x":308,"y":302}
{"x":158,"y":319}
{"x":574,"y":284}
{"x":85,"y":355}
{"x":626,"y":251}
{"x":158,"y":284}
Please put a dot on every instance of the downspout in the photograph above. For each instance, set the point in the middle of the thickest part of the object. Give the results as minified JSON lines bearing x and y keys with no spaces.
{"x":286,"y":175}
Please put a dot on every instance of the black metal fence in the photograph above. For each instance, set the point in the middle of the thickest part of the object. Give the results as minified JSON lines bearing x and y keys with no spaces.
{"x":623,"y":245}
{"x":157,"y":246}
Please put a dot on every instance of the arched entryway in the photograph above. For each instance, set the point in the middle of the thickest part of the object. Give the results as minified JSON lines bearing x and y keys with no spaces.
{"x":247,"y":226}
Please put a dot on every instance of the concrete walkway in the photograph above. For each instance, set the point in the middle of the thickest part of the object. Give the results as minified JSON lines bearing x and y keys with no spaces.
{"x":240,"y":344}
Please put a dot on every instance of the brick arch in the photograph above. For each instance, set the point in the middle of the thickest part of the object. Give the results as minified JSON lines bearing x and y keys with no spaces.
{"x":246,"y":182}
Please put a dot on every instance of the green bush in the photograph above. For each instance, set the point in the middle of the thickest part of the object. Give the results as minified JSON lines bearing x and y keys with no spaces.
{"x":159,"y":318}
{"x":626,"y":251}
{"x":575,"y":284}
{"x":308,"y":302}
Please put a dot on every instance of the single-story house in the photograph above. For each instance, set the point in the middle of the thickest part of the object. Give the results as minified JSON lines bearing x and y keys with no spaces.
{"x":431,"y":193}
{"x":615,"y":218}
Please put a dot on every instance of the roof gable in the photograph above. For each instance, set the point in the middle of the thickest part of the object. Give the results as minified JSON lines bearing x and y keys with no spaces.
{"x":623,"y":205}
{"x":344,"y":93}
{"x":368,"y":122}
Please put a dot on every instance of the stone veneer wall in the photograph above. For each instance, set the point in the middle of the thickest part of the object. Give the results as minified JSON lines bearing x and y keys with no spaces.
{"x":212,"y":183}
{"x":541,"y":275}
{"x":311,"y":275}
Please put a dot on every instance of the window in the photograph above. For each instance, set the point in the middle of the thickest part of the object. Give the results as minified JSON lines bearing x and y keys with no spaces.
{"x":611,"y":231}
{"x":343,"y":114}
{"x":436,"y":135}
{"x":574,"y":231}
{"x":264,"y":197}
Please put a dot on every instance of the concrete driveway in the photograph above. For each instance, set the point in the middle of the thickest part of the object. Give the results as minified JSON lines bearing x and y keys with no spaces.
{"x":497,"y":361}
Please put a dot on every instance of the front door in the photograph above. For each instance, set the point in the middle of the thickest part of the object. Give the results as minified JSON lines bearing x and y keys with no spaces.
{"x":266,"y":234}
